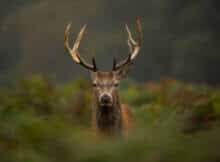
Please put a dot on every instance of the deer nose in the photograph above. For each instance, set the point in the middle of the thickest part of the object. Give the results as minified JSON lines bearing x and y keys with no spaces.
{"x":106,"y":99}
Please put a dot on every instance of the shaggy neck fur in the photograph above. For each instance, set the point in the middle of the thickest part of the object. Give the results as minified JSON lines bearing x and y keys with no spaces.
{"x":108,"y":119}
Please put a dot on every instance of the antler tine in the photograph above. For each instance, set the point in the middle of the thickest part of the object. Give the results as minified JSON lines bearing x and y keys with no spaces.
{"x":133,"y":45}
{"x":74,"y":52}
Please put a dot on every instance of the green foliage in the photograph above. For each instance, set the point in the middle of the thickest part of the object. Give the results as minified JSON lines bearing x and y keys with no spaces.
{"x":41,"y":122}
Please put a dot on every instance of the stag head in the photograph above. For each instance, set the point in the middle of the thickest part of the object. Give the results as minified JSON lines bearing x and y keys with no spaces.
{"x":105,"y":83}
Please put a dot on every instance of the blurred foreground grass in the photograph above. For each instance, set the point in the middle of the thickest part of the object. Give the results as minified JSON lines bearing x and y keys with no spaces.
{"x":43,"y":122}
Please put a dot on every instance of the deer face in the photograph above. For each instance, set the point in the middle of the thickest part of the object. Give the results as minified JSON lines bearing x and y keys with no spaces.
{"x":105,"y":86}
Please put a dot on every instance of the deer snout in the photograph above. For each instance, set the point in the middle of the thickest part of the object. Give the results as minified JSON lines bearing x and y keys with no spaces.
{"x":105,"y":99}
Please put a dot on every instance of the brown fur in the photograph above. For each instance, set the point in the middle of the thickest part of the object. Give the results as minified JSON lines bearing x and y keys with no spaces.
{"x":122,"y":128}
{"x":113,"y":118}
{"x":126,"y":119}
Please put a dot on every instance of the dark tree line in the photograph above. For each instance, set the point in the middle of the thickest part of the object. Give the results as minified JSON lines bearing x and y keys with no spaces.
{"x":181,"y":37}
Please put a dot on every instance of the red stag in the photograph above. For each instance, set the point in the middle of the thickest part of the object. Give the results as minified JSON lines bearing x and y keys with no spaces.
{"x":109,"y":117}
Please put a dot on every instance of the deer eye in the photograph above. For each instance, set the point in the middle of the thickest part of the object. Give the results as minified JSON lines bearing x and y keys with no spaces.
{"x":115,"y":84}
{"x":94,"y":84}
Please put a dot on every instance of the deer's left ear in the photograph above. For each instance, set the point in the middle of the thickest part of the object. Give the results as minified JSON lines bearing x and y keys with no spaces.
{"x":122,"y":72}
{"x":93,"y":75}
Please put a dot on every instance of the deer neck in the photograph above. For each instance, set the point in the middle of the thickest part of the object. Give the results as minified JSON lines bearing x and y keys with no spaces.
{"x":108,"y":119}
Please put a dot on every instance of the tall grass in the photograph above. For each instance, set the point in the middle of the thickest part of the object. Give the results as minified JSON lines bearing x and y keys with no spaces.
{"x":173,"y":121}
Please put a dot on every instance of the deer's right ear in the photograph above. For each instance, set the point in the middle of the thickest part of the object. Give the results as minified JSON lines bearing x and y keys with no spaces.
{"x":121,"y":73}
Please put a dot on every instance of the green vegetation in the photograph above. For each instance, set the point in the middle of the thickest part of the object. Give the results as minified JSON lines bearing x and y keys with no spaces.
{"x":173,"y":121}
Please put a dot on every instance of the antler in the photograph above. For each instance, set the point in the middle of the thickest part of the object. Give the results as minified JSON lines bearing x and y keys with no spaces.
{"x":74,"y":52}
{"x":133,"y":45}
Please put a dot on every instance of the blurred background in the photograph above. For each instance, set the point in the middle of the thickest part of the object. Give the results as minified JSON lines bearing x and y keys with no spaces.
{"x":173,"y":90}
{"x":181,"y":38}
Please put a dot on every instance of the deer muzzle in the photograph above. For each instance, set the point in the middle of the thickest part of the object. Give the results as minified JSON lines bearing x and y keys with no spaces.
{"x":105,"y":100}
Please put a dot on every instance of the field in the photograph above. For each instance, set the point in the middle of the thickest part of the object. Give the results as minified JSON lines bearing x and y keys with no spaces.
{"x":41,"y":121}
